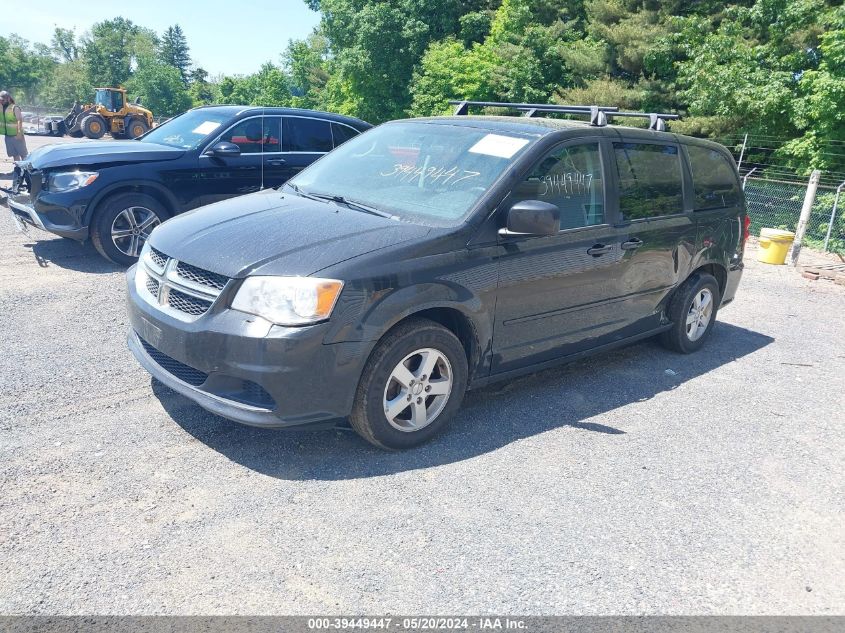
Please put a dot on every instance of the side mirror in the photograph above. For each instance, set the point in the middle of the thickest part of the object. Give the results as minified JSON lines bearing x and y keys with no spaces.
{"x":532,"y":217}
{"x":223,"y":149}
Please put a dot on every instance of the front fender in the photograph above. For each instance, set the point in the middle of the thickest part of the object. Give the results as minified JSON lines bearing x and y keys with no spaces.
{"x":152,"y":187}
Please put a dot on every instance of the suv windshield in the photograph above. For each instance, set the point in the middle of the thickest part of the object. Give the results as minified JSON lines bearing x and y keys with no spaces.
{"x":187,"y":130}
{"x":429,"y":173}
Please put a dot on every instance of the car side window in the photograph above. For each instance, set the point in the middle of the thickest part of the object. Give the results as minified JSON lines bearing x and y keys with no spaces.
{"x":714,"y":180}
{"x":307,"y":135}
{"x":569,"y":177}
{"x":255,"y":135}
{"x":650,"y":182}
{"x":342,"y":133}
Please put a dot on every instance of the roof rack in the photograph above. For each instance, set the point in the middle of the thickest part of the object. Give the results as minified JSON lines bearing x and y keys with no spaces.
{"x":599,"y":115}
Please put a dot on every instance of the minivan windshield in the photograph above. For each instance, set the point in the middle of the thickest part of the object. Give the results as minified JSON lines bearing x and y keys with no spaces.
{"x":423,"y":172}
{"x":187,"y":130}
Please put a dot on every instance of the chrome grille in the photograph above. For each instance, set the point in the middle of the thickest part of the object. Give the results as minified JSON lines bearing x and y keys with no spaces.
{"x":187,"y":303}
{"x":152,"y":286}
{"x":180,"y":289}
{"x":200,"y":276}
{"x":158,"y":258}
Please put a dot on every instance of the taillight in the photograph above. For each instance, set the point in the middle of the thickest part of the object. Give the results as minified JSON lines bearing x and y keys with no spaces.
{"x":746,"y":228}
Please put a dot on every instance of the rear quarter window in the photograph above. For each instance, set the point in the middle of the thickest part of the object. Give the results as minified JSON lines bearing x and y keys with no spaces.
{"x":714,"y":181}
{"x":650,"y":183}
{"x":306,"y":135}
{"x":342,"y":133}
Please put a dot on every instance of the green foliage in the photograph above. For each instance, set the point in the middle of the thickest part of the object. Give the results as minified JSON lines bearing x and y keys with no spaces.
{"x":773,"y":67}
{"x":65,"y":84}
{"x":268,"y":87}
{"x":22,"y":65}
{"x":160,"y":88}
{"x":109,"y":52}
{"x":174,"y":51}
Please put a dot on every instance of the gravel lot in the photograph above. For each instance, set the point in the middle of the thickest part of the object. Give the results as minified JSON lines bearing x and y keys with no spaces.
{"x":611,"y":486}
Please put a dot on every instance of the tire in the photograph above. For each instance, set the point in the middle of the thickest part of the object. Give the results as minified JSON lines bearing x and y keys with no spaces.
{"x":692,"y":310}
{"x":410,"y":344}
{"x":93,"y":126}
{"x":131,"y":215}
{"x":136,"y":127}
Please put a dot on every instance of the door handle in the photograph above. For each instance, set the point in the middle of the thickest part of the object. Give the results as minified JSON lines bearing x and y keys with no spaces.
{"x":631,"y":245}
{"x":276,"y":162}
{"x":598,"y":250}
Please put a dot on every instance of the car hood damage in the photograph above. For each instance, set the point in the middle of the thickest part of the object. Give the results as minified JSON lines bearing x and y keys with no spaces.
{"x":98,"y":153}
{"x":274,"y":233}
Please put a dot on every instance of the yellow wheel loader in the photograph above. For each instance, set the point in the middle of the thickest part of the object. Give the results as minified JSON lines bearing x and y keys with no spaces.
{"x":109,"y":113}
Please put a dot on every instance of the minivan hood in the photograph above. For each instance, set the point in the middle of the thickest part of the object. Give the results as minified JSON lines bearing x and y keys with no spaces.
{"x":98,"y":153}
{"x":275,"y":233}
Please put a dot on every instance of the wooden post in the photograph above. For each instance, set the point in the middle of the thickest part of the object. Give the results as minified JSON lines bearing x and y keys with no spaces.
{"x":809,"y":199}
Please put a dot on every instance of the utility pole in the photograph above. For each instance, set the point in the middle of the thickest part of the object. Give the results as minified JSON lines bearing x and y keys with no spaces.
{"x":806,"y":209}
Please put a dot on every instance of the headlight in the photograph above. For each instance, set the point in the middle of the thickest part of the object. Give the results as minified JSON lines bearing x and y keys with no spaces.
{"x":70,"y":180}
{"x":288,"y":300}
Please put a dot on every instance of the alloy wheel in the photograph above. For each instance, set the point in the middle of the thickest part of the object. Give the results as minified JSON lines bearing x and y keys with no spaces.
{"x":699,"y":315}
{"x":131,"y":228}
{"x":417,"y":390}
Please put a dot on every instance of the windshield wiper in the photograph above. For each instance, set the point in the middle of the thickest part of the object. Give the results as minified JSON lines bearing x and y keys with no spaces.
{"x":353,"y":204}
{"x":299,"y":191}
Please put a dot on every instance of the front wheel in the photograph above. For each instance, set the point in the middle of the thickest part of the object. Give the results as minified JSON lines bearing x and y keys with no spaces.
{"x":123,"y":224}
{"x":692,"y":311}
{"x":412,"y":384}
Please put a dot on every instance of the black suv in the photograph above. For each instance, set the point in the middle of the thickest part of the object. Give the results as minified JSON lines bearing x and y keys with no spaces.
{"x":116,"y":192}
{"x":429,"y":256}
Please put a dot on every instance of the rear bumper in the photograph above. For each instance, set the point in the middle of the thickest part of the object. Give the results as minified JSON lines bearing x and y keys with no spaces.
{"x":221,"y":360}
{"x":734,"y":276}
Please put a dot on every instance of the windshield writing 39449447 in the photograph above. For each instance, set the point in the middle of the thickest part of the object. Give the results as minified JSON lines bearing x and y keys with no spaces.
{"x":431,"y":174}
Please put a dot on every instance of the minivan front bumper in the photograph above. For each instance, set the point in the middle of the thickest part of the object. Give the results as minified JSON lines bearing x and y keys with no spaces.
{"x":245,"y":369}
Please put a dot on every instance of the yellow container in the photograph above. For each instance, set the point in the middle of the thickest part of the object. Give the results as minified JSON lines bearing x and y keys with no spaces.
{"x":774,"y":246}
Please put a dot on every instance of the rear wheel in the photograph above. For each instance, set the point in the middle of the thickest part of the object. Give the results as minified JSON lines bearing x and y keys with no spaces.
{"x":93,"y":126}
{"x":692,"y":311}
{"x":136,"y":127}
{"x":123,"y":224}
{"x":412,"y":384}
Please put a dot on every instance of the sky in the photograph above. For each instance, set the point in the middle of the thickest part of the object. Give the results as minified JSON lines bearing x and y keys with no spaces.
{"x":226,"y":37}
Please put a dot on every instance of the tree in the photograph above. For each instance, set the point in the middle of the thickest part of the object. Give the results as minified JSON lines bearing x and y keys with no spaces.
{"x":305,"y":61}
{"x":175,"y":52}
{"x":67,"y":83}
{"x":64,"y":45}
{"x":201,"y":91}
{"x":376,"y":46}
{"x":268,"y":87}
{"x":160,"y":87}
{"x":23,"y":66}
{"x":109,"y":52}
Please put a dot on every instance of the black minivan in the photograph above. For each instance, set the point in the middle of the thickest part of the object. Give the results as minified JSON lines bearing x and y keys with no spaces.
{"x":428,"y":256}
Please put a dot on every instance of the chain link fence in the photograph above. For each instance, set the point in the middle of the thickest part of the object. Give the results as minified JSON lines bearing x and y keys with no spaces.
{"x":776,"y":204}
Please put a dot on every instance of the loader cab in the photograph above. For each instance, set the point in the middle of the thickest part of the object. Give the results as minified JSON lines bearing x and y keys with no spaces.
{"x":111,"y":100}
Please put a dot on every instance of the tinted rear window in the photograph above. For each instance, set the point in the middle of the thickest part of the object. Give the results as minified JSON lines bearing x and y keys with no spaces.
{"x":342,"y":133}
{"x":714,"y":180}
{"x":649,"y":180}
{"x":307,"y":135}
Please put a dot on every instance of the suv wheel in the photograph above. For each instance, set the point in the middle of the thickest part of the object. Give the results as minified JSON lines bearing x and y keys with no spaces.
{"x":692,"y":312}
{"x":123,"y":224}
{"x":412,"y":384}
